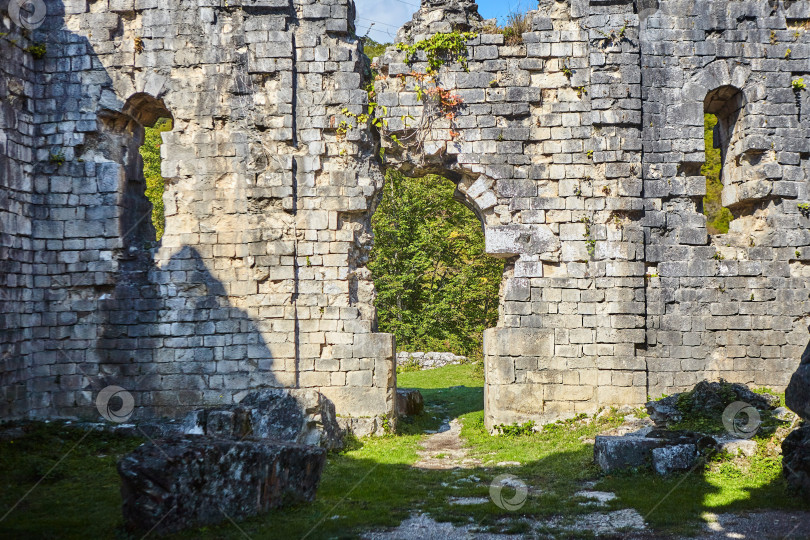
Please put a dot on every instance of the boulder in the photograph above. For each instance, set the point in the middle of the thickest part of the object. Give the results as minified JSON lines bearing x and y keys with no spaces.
{"x":679,"y":457}
{"x":664,"y":411}
{"x":736,"y":447}
{"x":796,"y":460}
{"x":707,"y":400}
{"x":409,"y":402}
{"x":797,"y":394}
{"x":192,"y":481}
{"x":299,"y":416}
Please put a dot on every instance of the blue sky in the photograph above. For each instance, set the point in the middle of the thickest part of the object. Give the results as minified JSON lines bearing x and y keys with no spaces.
{"x":389,"y":15}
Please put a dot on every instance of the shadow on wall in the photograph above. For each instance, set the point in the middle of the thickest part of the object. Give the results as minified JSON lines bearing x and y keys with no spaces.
{"x":172,"y":338}
{"x":171,"y":335}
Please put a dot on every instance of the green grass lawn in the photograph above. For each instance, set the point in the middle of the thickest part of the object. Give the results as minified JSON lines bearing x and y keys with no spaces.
{"x":373,"y":484}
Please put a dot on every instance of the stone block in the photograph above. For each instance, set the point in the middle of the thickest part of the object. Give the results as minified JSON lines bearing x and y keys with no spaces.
{"x":190,"y":482}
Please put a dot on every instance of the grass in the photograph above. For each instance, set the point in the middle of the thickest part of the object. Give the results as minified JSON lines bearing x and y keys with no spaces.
{"x":517,"y":23}
{"x":373,"y":484}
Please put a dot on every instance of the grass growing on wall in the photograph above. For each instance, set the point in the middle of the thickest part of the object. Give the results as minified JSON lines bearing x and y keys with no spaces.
{"x":155,"y":185}
{"x":436,"y":288}
{"x":718,"y":217}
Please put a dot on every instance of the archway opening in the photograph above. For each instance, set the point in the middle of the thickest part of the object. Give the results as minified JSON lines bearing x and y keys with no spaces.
{"x":437,"y":290}
{"x":155,"y":183}
{"x":154,"y":119}
{"x":722,"y":108}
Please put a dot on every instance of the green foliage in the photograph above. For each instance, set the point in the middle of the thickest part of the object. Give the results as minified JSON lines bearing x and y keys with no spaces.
{"x":589,"y":239}
{"x":717,"y":216}
{"x":372,"y":48}
{"x":155,"y":185}
{"x":516,"y":430}
{"x":57,"y":158}
{"x":37,"y":50}
{"x":439,"y":49}
{"x":436,"y":289}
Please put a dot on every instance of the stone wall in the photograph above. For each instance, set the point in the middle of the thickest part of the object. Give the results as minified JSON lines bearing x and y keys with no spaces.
{"x":259,"y":279}
{"x":579,"y":148}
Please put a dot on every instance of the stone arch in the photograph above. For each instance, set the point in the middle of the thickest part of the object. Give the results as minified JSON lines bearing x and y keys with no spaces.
{"x":141,"y":110}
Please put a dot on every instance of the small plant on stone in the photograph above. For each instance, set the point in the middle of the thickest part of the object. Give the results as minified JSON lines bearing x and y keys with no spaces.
{"x":798,"y":85}
{"x":57,"y":158}
{"x":589,"y":153}
{"x":580,"y":90}
{"x":567,"y":71}
{"x":718,"y":256}
{"x":773,"y":37}
{"x":37,"y":50}
{"x":787,"y":53}
{"x":138,"y":45}
{"x":589,"y":239}
{"x":804,"y":209}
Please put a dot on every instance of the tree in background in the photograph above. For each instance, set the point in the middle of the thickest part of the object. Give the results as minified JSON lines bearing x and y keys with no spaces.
{"x":718,"y":217}
{"x":155,"y":185}
{"x":436,"y":288}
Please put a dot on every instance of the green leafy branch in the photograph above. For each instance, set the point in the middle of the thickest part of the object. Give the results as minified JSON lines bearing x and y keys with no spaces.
{"x":440,"y":48}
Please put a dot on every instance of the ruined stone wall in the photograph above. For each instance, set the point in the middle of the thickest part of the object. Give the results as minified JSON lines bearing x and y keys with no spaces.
{"x":17,"y":214}
{"x":259,"y":279}
{"x":579,"y":148}
{"x":732,"y":305}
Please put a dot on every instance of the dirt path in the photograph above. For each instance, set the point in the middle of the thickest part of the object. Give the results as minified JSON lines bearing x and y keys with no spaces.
{"x":445,"y":449}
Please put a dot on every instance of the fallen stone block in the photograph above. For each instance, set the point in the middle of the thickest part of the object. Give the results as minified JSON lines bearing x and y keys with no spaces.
{"x":175,"y":484}
{"x":796,"y":460}
{"x":299,"y":416}
{"x":617,"y":453}
{"x":409,"y":402}
{"x":736,"y":447}
{"x":668,"y":459}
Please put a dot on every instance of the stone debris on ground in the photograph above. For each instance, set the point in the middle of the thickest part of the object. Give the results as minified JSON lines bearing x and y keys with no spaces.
{"x":595,"y":498}
{"x":626,"y":523}
{"x":770,"y":525}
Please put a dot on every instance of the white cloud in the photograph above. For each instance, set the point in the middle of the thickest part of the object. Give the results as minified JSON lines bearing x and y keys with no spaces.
{"x":387,"y":15}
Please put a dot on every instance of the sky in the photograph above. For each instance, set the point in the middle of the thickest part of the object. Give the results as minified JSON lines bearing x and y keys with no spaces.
{"x":389,"y":15}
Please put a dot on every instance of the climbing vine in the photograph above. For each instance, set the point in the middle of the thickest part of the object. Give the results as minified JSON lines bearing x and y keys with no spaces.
{"x":439,"y":49}
{"x":589,"y":239}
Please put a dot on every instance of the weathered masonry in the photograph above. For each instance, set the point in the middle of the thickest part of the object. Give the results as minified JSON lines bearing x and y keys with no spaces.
{"x":579,"y":146}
